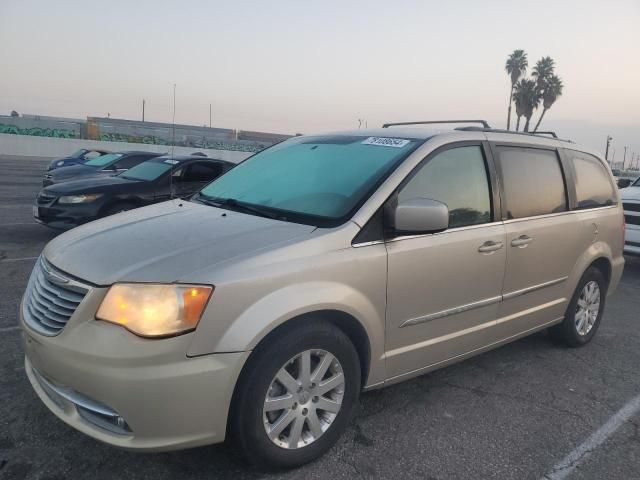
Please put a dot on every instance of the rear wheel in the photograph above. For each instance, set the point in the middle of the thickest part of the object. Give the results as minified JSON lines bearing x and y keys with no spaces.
{"x":584,"y":312}
{"x":295,"y":397}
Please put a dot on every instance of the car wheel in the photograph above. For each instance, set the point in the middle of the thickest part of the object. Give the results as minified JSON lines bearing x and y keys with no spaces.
{"x":295,"y":396}
{"x":584,"y":312}
{"x":117,"y":208}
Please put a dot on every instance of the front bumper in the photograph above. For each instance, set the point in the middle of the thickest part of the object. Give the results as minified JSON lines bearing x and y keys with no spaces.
{"x":127,"y":391}
{"x":64,"y":217}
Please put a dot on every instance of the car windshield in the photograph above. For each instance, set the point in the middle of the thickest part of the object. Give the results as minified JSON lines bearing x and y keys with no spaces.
{"x":149,"y":170}
{"x":636,"y":183}
{"x":315,"y":180}
{"x":103,"y":160}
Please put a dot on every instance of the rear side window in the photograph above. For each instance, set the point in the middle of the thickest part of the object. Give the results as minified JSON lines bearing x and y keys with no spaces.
{"x":593,"y":185}
{"x":202,"y":172}
{"x":458,"y":178}
{"x":532,"y":182}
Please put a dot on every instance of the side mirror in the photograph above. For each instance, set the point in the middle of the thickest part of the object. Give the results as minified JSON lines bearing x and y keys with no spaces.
{"x":624,"y":182}
{"x":421,"y":215}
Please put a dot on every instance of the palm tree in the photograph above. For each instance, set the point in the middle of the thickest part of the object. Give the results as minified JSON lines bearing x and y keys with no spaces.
{"x":526,"y":98}
{"x":516,"y":66}
{"x":543,"y":70}
{"x":552,"y":90}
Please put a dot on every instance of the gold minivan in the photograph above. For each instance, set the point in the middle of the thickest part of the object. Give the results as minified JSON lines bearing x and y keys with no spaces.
{"x":260,"y":308}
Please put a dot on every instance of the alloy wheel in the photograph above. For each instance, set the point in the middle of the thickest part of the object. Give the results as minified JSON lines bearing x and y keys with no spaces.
{"x":303,"y":399}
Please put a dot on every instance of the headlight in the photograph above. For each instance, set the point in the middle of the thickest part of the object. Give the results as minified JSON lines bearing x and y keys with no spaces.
{"x":80,"y":198}
{"x":154,"y":310}
{"x":60,"y":163}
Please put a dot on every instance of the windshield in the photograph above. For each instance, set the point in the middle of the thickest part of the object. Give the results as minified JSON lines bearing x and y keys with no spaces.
{"x":103,"y":160}
{"x":315,"y":180}
{"x":149,"y":170}
{"x":636,"y":183}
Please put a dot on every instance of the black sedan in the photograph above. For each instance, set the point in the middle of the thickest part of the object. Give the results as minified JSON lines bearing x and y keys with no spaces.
{"x":110,"y":165}
{"x":69,"y":204}
{"x":77,"y":158}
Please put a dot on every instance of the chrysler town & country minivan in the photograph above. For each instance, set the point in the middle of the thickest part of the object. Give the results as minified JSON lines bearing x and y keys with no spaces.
{"x":260,"y":308}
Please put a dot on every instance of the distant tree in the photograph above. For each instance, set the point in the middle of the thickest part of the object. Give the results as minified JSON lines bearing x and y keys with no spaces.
{"x":543,"y":71}
{"x":516,"y":66}
{"x":552,"y":90}
{"x":14,"y":113}
{"x":526,"y":98}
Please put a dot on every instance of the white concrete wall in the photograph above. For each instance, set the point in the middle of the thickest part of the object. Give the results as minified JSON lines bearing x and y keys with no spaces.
{"x":28,"y":146}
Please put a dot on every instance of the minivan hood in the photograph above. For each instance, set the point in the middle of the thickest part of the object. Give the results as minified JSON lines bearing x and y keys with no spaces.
{"x":164,"y":242}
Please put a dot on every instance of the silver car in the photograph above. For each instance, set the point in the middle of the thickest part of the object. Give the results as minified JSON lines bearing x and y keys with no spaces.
{"x":259,"y":309}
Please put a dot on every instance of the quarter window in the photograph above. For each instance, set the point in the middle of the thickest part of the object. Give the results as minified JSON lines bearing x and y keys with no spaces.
{"x":593,"y":186}
{"x":458,"y":178}
{"x":532,"y":182}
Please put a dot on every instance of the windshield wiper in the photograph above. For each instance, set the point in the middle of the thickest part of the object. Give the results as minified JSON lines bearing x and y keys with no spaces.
{"x":235,"y":205}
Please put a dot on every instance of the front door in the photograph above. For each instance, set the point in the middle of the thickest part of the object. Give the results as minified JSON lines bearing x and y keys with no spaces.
{"x":444,"y":289}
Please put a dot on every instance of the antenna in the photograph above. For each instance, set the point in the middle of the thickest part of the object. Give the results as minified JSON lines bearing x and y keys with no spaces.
{"x":173,"y":141}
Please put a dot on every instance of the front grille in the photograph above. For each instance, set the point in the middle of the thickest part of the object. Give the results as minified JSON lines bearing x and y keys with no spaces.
{"x":632,"y":219}
{"x":51,"y":299}
{"x":45,"y":198}
{"x":633,"y":207}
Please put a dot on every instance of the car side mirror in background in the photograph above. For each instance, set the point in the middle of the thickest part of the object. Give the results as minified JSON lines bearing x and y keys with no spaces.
{"x":420,"y":215}
{"x":624,"y":182}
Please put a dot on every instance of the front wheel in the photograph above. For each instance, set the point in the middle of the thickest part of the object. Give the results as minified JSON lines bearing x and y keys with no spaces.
{"x":584,"y":312}
{"x":295,"y":396}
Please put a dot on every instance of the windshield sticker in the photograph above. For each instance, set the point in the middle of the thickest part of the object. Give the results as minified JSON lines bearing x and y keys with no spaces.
{"x":386,"y":142}
{"x":172,"y":162}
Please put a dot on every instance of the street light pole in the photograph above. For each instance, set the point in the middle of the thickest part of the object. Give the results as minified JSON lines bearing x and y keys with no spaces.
{"x":624,"y":159}
{"x":210,"y":110}
{"x":143,"y":102}
{"x":606,"y":154}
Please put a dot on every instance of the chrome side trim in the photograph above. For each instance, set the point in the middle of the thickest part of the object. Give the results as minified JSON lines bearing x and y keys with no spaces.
{"x":367,"y":244}
{"x":475,"y":328}
{"x":451,"y":311}
{"x":558,"y":214}
{"x":471,"y":352}
{"x":533,"y":288}
{"x":445,"y":232}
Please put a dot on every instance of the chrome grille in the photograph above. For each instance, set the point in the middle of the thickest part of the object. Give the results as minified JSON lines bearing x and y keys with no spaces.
{"x":51,"y":299}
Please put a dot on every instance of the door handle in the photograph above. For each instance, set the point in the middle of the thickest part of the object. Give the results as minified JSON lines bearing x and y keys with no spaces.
{"x":490,"y":246}
{"x":522,"y":241}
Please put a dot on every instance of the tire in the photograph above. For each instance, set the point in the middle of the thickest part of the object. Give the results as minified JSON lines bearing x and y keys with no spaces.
{"x":248,"y":421}
{"x":117,"y":208}
{"x":572,"y":332}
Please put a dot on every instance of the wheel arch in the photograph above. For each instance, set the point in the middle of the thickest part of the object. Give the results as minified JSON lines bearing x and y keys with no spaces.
{"x":341,"y":320}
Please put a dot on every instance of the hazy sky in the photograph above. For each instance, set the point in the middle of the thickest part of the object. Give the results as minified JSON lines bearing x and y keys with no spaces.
{"x":296,"y":66}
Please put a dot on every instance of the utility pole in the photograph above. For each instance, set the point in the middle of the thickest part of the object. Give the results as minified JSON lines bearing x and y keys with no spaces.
{"x":143,"y":102}
{"x":624,"y":159}
{"x":606,"y":153}
{"x":210,"y":110}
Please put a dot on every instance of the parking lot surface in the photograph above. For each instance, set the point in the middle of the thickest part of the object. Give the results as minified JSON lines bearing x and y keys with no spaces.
{"x":529,"y":410}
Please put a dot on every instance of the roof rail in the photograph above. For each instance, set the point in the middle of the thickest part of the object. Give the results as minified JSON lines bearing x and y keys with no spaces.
{"x":512,"y":132}
{"x":550,"y":133}
{"x":484,"y":123}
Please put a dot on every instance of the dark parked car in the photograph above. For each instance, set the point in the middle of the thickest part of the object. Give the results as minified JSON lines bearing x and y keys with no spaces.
{"x":69,"y":204}
{"x":77,"y":158}
{"x":110,"y":165}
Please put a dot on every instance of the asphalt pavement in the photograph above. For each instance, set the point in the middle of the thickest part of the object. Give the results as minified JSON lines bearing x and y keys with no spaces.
{"x":529,"y":410}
